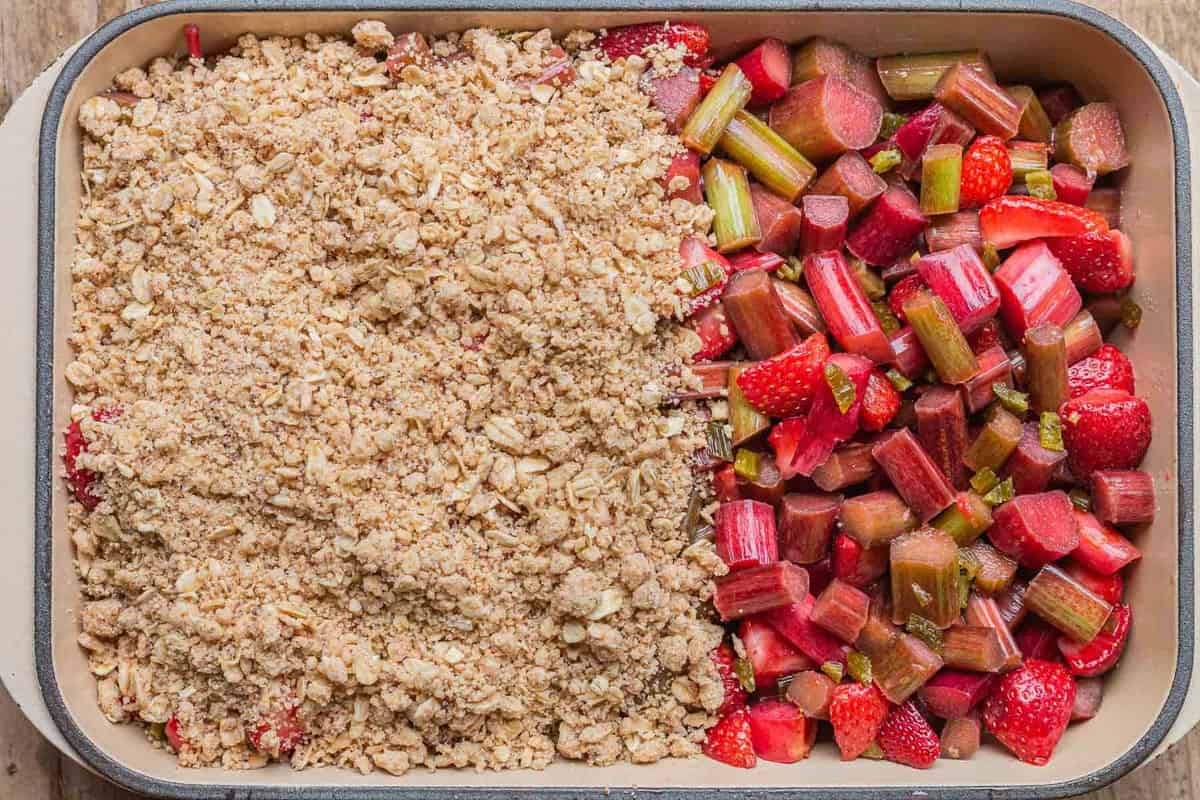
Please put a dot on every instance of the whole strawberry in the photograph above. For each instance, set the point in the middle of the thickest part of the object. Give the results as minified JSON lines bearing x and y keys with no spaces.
{"x":986,"y":171}
{"x":1029,"y":709}
{"x":880,"y":403}
{"x":729,"y":741}
{"x":903,"y":290}
{"x":1105,"y":429}
{"x":1101,"y":261}
{"x":856,"y":713}
{"x":628,"y":40}
{"x":906,"y":738}
{"x":784,"y":384}
{"x":716,"y":332}
{"x":1107,"y":368}
{"x":735,"y":695}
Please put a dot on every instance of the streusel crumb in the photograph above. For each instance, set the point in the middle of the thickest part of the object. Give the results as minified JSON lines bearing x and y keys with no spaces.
{"x":380,"y":353}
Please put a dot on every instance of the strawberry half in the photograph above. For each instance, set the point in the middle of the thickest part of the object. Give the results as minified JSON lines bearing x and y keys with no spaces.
{"x":1030,"y":708}
{"x":173,"y":734}
{"x":716,"y":332}
{"x":1110,"y":587}
{"x":881,"y":401}
{"x":986,"y":172}
{"x":629,"y":40}
{"x":784,"y":384}
{"x":785,"y":439}
{"x":857,"y":713}
{"x":780,"y":732}
{"x":906,"y":738}
{"x":1098,"y":262}
{"x":730,"y":742}
{"x":1012,"y":219}
{"x":904,"y":289}
{"x":1105,"y":429}
{"x":1107,"y":368}
{"x":1102,"y":653}
{"x":735,"y":695}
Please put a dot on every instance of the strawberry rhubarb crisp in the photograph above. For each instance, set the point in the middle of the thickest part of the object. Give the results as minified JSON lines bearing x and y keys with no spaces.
{"x":370,"y":460}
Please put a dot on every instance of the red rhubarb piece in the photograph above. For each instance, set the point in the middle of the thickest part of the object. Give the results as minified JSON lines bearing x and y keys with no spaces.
{"x":1105,"y":429}
{"x":1035,"y":529}
{"x":851,"y":177}
{"x":768,"y":487}
{"x":947,"y":231}
{"x":757,"y":315}
{"x":980,"y":100}
{"x":770,"y":654}
{"x":960,"y":278}
{"x":1059,"y":101}
{"x":825,"y":117}
{"x":695,"y":253}
{"x":174,"y":736}
{"x":676,"y":96}
{"x":825,"y":220}
{"x":842,"y":609}
{"x":820,"y":56}
{"x":191,"y":35}
{"x":827,"y":425}
{"x":1107,"y":368}
{"x":857,"y":713}
{"x":409,"y":48}
{"x":730,"y":740}
{"x":278,"y":733}
{"x":1098,"y":262}
{"x":734,"y":697}
{"x":881,"y":402}
{"x":752,"y":259}
{"x":889,"y":229}
{"x":1123,"y":497}
{"x":806,"y":523}
{"x":1101,"y":548}
{"x":1091,"y":137}
{"x":942,"y":429}
{"x":725,"y":484}
{"x":780,"y":732}
{"x":787,"y":383}
{"x":629,"y":40}
{"x":745,"y":532}
{"x":988,"y":612}
{"x":904,"y":289}
{"x":779,"y":221}
{"x":845,"y":307}
{"x":785,"y":439}
{"x":800,"y":308}
{"x":819,"y":575}
{"x":952,"y":693}
{"x":1013,"y":219}
{"x":910,"y":469}
{"x":768,"y":68}
{"x":987,"y":337}
{"x":1071,"y":184}
{"x":961,"y":737}
{"x":850,"y":464}
{"x":913,"y":136}
{"x":907,"y":353}
{"x":1102,"y":653}
{"x":1034,"y":288}
{"x":1030,"y":708}
{"x":682,"y":180}
{"x":855,"y":564}
{"x":794,"y":623}
{"x":1089,"y":694}
{"x":717,"y":336}
{"x":994,"y":367}
{"x":1111,"y":588}
{"x":906,"y":738}
{"x":1037,"y":639}
{"x":1032,"y":466}
{"x":812,"y":692}
{"x":756,"y":589}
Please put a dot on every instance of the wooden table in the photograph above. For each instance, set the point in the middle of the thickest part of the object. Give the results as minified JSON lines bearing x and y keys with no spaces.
{"x":34,"y":32}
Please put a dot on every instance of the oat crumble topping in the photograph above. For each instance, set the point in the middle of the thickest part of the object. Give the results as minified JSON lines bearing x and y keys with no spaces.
{"x":390,"y":349}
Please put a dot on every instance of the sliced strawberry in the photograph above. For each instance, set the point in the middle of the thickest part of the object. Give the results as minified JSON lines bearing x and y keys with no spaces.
{"x":1030,"y":708}
{"x":716,"y":332}
{"x":785,"y":384}
{"x":174,"y":737}
{"x":780,"y":732}
{"x":1105,"y":429}
{"x":1110,"y":587}
{"x":735,"y":695}
{"x":708,"y":79}
{"x":730,"y":741}
{"x":78,"y":479}
{"x":1012,"y":219}
{"x":985,"y":338}
{"x":278,"y":734}
{"x":785,"y":439}
{"x":725,"y":484}
{"x":1102,"y":653}
{"x":906,"y":737}
{"x":1101,"y":261}
{"x":986,"y":171}
{"x":906,"y":288}
{"x":1107,"y":368}
{"x":629,"y":40}
{"x":857,"y":713}
{"x":881,"y":401}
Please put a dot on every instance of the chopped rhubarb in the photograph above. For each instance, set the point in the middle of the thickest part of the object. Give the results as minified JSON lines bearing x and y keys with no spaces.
{"x":841,"y":609}
{"x":717,"y":336}
{"x":1059,"y":101}
{"x":676,"y":96}
{"x":1067,"y":604}
{"x":778,"y":221}
{"x":745,"y":421}
{"x":903,"y":667}
{"x":1101,"y":548}
{"x":768,"y":68}
{"x":750,"y":142}
{"x":753,"y":259}
{"x":941,"y":338}
{"x":942,"y":429}
{"x":966,"y":519}
{"x":1035,"y":125}
{"x":682,"y":180}
{"x":874,"y":519}
{"x":1032,"y":466}
{"x":757,"y":589}
{"x":845,"y":307}
{"x":1071,"y":184}
{"x":780,"y":732}
{"x":728,"y":96}
{"x":806,"y":523}
{"x":915,"y":77}
{"x":995,"y":368}
{"x":855,"y":564}
{"x":996,"y":571}
{"x":961,"y":736}
{"x":1011,"y":604}
{"x":850,"y":465}
{"x":800,"y":308}
{"x":769,"y":654}
{"x":1046,"y":367}
{"x":746,"y":534}
{"x":1123,"y":497}
{"x":1035,"y":529}
{"x":889,"y":229}
{"x":913,"y":136}
{"x":907,"y":353}
{"x":949,"y":231}
{"x":959,"y":277}
{"x":812,"y":692}
{"x":757,"y":315}
{"x":1110,"y":587}
{"x":1038,"y":640}
{"x":794,"y":623}
{"x":1091,"y":137}
{"x":1083,"y":336}
{"x":1089,"y":693}
{"x":985,"y":612}
{"x":1034,"y":288}
{"x":973,"y":647}
{"x":825,"y":117}
{"x":819,"y":56}
{"x":819,"y":575}
{"x":727,"y":190}
{"x":825,"y":220}
{"x":924,"y":576}
{"x":705,"y":271}
{"x":979,"y":100}
{"x":941,"y":178}
{"x":851,"y":177}
{"x":914,"y":474}
{"x":953,"y":693}
{"x":1102,"y":653}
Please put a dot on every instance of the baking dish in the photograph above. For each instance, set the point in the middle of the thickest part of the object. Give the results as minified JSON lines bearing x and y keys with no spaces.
{"x":1072,"y":42}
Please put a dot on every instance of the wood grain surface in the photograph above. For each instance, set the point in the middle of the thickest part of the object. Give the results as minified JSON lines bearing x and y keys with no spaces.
{"x":34,"y":32}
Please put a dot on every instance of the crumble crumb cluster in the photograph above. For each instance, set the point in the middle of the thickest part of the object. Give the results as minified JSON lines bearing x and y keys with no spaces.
{"x":392,"y":473}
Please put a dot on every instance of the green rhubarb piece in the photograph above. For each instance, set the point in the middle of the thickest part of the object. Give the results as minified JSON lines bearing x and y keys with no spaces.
{"x":842,"y":387}
{"x":925,"y":630}
{"x":728,"y":96}
{"x":991,"y":256}
{"x":891,"y":123}
{"x":858,"y":666}
{"x":1046,"y":366}
{"x":745,"y":421}
{"x":1131,"y":313}
{"x":727,"y":190}
{"x":744,"y":670}
{"x":745,"y":464}
{"x":913,"y":77}
{"x":941,"y":337}
{"x":702,"y":277}
{"x":720,"y":446}
{"x":886,"y":160}
{"x":1000,"y":493}
{"x":901,"y":383}
{"x":965,"y":519}
{"x":1041,"y":184}
{"x":984,"y":480}
{"x":776,"y":164}
{"x":941,"y":179}
{"x":1080,"y":499}
{"x":1050,"y":434}
{"x":1027,"y":157}
{"x":1013,"y":400}
{"x":995,"y":571}
{"x":1066,"y":604}
{"x":887,"y":320}
{"x":834,"y":670}
{"x":1035,"y":123}
{"x":995,"y":442}
{"x":924,"y":576}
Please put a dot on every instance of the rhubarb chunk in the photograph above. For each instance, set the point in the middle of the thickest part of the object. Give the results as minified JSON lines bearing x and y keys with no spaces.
{"x":768,"y":68}
{"x":845,"y":307}
{"x":806,"y":523}
{"x":728,"y":96}
{"x":1011,"y":604}
{"x":918,"y":480}
{"x":941,"y":177}
{"x":942,"y":429}
{"x":952,"y":693}
{"x":1091,"y":137}
{"x":907,"y":353}
{"x":1059,"y":101}
{"x":757,"y":315}
{"x":825,"y":220}
{"x":996,"y":571}
{"x":889,"y":229}
{"x":727,"y":190}
{"x":799,"y":307}
{"x":682,"y":180}
{"x":794,"y":623}
{"x":1102,"y":653}
{"x":1035,"y":529}
{"x":841,"y":609}
{"x":1067,"y":604}
{"x":1089,"y":693}
{"x":750,"y":591}
{"x":1071,"y":184}
{"x":915,"y":77}
{"x":1032,"y":466}
{"x":961,"y":280}
{"x":984,"y":611}
{"x":941,"y":338}
{"x":924,"y":566}
{"x":952,"y":230}
{"x":1123,"y":497}
{"x":876,"y":518}
{"x":1038,"y":640}
{"x":856,"y":564}
{"x":1034,"y":288}
{"x":973,"y":647}
{"x":979,"y":100}
{"x":904,"y":667}
{"x":850,"y":465}
{"x":676,"y":96}
{"x":745,"y":421}
{"x":780,"y":732}
{"x":1046,"y":366}
{"x":1083,"y":337}
{"x":746,"y":534}
{"x":1101,"y":548}
{"x":779,"y":222}
{"x":825,"y":117}
{"x":966,"y":519}
{"x":995,"y":369}
{"x":770,"y":654}
{"x":774,"y":162}
{"x":961,"y":737}
{"x":852,"y":178}
{"x":1035,"y":125}
{"x":812,"y":693}
{"x":819,"y":56}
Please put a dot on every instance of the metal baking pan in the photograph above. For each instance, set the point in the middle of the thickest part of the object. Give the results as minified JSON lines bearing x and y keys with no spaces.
{"x":1102,"y":57}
